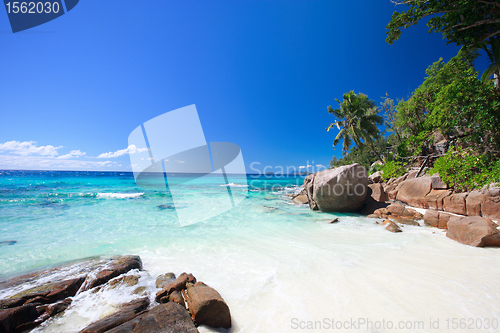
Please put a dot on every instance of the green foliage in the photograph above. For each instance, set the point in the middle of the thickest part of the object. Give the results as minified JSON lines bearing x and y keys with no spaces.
{"x":464,"y":170}
{"x":470,"y":23}
{"x":358,"y":155}
{"x":454,"y":102}
{"x":390,"y":117}
{"x":464,"y":22}
{"x":392,"y":169}
{"x":358,"y":122}
{"x":361,"y":155}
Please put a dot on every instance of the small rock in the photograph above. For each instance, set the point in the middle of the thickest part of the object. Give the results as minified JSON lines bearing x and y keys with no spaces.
{"x":178,"y":284}
{"x":382,"y":212}
{"x":176,"y":297}
{"x":405,"y":221}
{"x":163,"y":207}
{"x":141,"y":291}
{"x":391,"y":226}
{"x":58,"y":307}
{"x":375,"y":177}
{"x":8,"y":242}
{"x":373,"y":216}
{"x":300,"y":198}
{"x":164,"y":280}
{"x":335,"y":220}
{"x":128,"y":281}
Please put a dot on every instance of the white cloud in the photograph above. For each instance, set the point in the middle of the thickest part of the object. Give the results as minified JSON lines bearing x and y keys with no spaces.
{"x":179,"y":161}
{"x":132,"y":149}
{"x":301,"y":167}
{"x":308,"y":166}
{"x":27,"y":148}
{"x":320,"y":165}
{"x":73,"y":153}
{"x":11,"y":162}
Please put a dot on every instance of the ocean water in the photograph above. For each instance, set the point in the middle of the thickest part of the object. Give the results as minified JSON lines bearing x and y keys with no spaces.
{"x":280,"y":267}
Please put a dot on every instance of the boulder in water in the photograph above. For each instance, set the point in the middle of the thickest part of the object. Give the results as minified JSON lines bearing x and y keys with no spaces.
{"x":341,"y":189}
{"x":168,"y":317}
{"x":126,"y":312}
{"x":474,"y":231}
{"x":207,"y":306}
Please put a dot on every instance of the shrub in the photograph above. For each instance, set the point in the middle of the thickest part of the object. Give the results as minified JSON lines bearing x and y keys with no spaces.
{"x":392,"y":169}
{"x":464,"y":170}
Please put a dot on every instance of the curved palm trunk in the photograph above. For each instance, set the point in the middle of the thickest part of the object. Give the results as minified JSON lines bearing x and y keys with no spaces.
{"x":375,"y":152}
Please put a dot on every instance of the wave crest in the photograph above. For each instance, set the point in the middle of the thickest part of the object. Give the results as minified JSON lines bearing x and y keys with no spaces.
{"x":119,"y":195}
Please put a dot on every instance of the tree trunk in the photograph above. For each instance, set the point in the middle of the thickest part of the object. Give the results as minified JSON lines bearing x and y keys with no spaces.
{"x":375,"y":152}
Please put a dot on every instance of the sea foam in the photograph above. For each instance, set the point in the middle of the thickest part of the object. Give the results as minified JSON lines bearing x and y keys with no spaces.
{"x":119,"y":195}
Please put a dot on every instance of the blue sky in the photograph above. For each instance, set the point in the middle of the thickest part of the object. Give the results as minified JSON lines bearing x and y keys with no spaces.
{"x":261,"y":74}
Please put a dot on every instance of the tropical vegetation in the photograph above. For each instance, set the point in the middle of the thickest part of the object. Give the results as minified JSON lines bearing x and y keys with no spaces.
{"x":451,"y":122}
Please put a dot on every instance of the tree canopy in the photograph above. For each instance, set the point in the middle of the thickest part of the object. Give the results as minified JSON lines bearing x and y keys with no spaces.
{"x":358,"y":122}
{"x":464,"y":22}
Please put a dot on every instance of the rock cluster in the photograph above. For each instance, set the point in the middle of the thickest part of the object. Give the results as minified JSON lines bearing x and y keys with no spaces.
{"x":430,"y":192}
{"x":397,"y":216}
{"x":184,"y":303}
{"x":472,"y":227}
{"x":205,"y":304}
{"x":33,"y":305}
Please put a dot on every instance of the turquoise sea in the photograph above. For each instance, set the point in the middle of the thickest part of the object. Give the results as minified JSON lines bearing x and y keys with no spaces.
{"x":281,"y":267}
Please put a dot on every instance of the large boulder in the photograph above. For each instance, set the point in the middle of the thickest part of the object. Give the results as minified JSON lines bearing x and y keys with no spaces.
{"x":126,"y":312}
{"x":376,"y":193}
{"x":474,"y":231}
{"x":414,"y":191}
{"x":207,"y":306}
{"x":473,"y":203}
{"x":45,"y":294}
{"x":435,"y":198}
{"x":397,"y":180}
{"x":16,"y":319}
{"x":436,"y":219}
{"x":412,"y":174}
{"x":116,"y":267}
{"x":491,"y":207}
{"x":165,"y":318}
{"x":455,"y":203}
{"x":341,"y":189}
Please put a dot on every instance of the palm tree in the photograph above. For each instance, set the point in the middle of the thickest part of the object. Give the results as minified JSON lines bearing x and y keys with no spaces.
{"x":493,"y":69}
{"x":359,"y":123}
